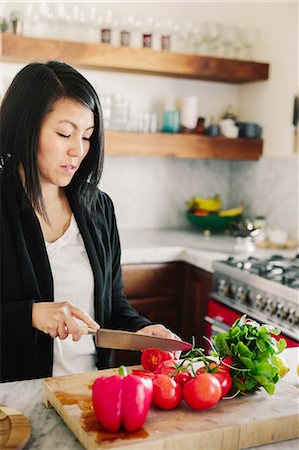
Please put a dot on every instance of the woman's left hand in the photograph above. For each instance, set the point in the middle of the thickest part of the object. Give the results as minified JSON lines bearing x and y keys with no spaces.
{"x":160,"y":331}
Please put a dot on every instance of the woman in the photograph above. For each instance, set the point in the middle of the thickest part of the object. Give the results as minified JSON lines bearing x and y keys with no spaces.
{"x":60,"y":250}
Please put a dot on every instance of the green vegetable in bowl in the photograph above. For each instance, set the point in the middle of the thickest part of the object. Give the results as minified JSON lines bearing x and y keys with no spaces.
{"x":255,"y":353}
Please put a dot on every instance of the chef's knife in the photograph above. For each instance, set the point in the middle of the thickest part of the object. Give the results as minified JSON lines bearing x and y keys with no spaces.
{"x":126,"y":340}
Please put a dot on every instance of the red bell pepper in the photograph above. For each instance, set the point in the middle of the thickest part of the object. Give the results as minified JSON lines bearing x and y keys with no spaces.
{"x":122,"y":400}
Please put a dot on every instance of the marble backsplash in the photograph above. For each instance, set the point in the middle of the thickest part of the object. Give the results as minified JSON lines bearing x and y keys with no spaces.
{"x":268,"y":187}
{"x":151,"y":192}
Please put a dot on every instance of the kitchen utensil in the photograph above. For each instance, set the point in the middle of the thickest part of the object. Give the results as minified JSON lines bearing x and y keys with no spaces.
{"x":126,"y":340}
{"x":212,"y":222}
{"x":15,"y":429}
{"x":233,"y":424}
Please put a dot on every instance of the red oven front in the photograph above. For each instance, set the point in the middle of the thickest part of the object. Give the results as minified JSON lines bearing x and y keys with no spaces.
{"x":220,"y":318}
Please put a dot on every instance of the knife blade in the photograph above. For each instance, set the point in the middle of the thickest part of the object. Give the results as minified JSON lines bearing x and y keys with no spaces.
{"x":127,"y":340}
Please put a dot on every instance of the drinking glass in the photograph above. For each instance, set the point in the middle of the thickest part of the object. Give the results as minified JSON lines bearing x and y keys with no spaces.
{"x":230,"y":43}
{"x":32,"y":25}
{"x":249,"y":37}
{"x":211,"y":32}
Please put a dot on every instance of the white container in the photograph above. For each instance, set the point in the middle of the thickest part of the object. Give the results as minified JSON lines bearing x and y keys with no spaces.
{"x":277,"y":236}
{"x":189,"y":112}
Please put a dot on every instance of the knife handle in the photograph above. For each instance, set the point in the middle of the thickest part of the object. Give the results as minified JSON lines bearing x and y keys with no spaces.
{"x":86,"y":330}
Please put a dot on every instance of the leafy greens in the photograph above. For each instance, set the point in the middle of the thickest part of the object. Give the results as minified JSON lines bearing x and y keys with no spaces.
{"x":254,"y":351}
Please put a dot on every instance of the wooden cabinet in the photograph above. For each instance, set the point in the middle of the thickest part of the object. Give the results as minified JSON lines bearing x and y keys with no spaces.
{"x":19,"y":48}
{"x":197,"y":286}
{"x":174,"y":294}
{"x":154,"y":290}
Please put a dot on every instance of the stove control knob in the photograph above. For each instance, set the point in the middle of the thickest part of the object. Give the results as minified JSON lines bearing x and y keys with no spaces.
{"x":270,"y":306}
{"x":281,"y":311}
{"x":260,"y":302}
{"x":241,"y":294}
{"x":293,"y":317}
{"x":223,"y":286}
{"x":233,"y":288}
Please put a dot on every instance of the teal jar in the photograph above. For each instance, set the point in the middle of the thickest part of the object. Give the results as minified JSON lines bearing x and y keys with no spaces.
{"x":171,"y":121}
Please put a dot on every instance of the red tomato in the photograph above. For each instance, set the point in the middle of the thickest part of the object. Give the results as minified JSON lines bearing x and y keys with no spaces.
{"x":143,"y":373}
{"x":182,"y":377}
{"x":152,"y":357}
{"x":167,"y":394}
{"x":226,"y":362}
{"x":166,"y":367}
{"x":169,"y":368}
{"x":225,"y":381}
{"x":221,"y":373}
{"x":202,"y":392}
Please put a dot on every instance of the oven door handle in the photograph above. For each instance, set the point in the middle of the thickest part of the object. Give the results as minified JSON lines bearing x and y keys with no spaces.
{"x":215,"y":325}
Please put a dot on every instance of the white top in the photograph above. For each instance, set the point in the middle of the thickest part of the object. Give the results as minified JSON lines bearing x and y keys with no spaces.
{"x":73,"y":281}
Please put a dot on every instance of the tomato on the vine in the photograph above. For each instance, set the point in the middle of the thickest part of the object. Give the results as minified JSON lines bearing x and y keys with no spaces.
{"x":167,"y":394}
{"x":202,"y":392}
{"x":222,"y":375}
{"x":180,"y":375}
{"x":151,"y":358}
{"x":166,"y":367}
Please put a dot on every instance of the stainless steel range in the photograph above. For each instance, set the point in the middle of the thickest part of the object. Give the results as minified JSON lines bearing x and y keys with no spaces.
{"x":264,"y":289}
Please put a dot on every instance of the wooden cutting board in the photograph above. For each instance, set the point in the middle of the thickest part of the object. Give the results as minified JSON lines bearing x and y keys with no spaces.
{"x":232,"y":424}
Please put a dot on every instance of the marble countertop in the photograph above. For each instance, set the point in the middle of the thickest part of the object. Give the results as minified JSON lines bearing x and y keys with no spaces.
{"x":49,"y":431}
{"x":142,"y":246}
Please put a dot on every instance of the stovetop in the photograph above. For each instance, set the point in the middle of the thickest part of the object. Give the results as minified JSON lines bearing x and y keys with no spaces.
{"x":276,"y":268}
{"x":268,"y":289}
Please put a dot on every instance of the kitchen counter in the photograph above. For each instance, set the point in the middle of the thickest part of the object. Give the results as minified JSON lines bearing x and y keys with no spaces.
{"x":142,"y":246}
{"x":49,"y":431}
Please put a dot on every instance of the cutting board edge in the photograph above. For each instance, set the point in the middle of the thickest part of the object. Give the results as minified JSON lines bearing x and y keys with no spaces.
{"x":247,"y":434}
{"x":49,"y":398}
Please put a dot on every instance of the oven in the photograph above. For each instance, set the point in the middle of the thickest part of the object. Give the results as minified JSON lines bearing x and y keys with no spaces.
{"x":264,"y":290}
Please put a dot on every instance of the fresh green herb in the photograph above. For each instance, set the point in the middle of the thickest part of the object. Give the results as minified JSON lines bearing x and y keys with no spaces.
{"x":254,"y":352}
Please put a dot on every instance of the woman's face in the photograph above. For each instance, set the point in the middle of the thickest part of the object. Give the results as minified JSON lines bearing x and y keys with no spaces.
{"x":64,"y":141}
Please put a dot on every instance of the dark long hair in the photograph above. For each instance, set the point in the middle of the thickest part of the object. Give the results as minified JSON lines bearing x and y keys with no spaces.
{"x":31,"y":95}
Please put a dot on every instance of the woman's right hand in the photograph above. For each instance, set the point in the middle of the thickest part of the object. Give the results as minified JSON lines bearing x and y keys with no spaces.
{"x":57,"y":319}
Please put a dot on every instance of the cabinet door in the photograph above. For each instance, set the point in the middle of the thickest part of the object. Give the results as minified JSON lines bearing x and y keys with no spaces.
{"x":154,"y":290}
{"x":197,"y":288}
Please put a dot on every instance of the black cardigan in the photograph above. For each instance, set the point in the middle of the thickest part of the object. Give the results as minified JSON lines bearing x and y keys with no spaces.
{"x":26,"y":278}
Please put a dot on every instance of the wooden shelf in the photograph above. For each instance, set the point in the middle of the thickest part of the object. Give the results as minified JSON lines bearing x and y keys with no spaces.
{"x":19,"y":48}
{"x":119,"y":143}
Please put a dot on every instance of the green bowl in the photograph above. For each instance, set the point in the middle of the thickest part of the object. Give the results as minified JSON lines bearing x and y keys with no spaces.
{"x":212,"y":222}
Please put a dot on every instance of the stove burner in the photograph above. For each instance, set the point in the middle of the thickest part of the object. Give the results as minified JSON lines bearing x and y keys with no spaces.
{"x":276,"y":268}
